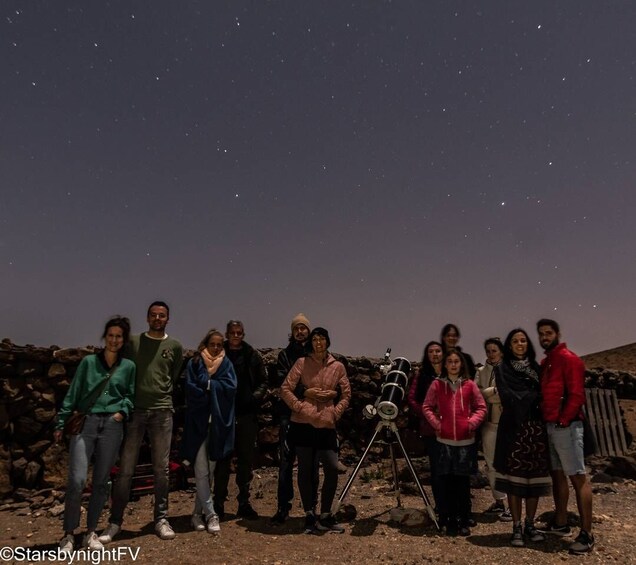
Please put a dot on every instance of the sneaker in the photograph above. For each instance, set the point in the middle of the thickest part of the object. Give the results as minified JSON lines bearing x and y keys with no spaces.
{"x":109,"y":533}
{"x":562,"y":531}
{"x":329,"y":524}
{"x":91,"y":541}
{"x":531,"y":533}
{"x":584,"y":543}
{"x":281,"y":516}
{"x":310,"y":524}
{"x":505,"y":516}
{"x":246,"y":511}
{"x":517,"y":537}
{"x":213,"y":526}
{"x":463,"y":531}
{"x":164,"y":530}
{"x":67,"y":544}
{"x":197,"y":523}
{"x":496,"y":507}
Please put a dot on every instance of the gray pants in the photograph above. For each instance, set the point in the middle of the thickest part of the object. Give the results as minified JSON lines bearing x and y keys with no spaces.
{"x":158,"y":424}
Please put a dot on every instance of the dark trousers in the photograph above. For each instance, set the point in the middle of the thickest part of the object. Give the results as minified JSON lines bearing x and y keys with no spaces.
{"x":308,"y":460}
{"x":287,"y":454}
{"x":245,"y":446}
{"x":432,"y":449}
{"x":455,"y":508}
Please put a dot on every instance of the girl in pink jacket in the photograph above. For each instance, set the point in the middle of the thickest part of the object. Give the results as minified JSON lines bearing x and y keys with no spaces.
{"x":455,"y":409}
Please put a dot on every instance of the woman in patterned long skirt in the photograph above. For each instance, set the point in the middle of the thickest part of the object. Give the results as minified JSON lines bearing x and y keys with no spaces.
{"x":521,"y":453}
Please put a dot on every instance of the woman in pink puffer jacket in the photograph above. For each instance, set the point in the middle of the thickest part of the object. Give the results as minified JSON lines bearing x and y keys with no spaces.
{"x":313,"y":425}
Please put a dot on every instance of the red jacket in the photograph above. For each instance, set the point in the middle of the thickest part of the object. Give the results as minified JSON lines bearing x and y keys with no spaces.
{"x":454,"y":411}
{"x":562,"y":386}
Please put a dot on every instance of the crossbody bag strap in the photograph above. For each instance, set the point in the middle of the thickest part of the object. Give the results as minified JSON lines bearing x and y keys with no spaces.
{"x":97,"y":391}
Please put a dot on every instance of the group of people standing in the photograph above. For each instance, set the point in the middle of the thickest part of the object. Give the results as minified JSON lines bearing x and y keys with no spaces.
{"x":530,"y":418}
{"x":128,"y":386}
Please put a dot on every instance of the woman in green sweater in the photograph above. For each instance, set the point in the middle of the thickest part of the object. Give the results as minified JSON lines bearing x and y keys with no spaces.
{"x":103,"y":388}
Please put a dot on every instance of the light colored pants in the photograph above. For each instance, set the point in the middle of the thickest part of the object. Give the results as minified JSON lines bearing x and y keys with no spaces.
{"x":203,"y":472}
{"x":566,"y":448}
{"x":99,"y":439}
{"x":488,"y":442}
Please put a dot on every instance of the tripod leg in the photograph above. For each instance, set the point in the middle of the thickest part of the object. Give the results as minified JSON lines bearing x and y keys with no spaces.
{"x":427,"y":504}
{"x":396,"y":484}
{"x":336,"y":505}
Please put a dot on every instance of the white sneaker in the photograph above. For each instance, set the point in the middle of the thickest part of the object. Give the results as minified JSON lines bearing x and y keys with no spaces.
{"x":91,"y":541}
{"x":197,"y":523}
{"x":67,"y":545}
{"x":213,"y":526}
{"x":109,"y":533}
{"x":164,"y":530}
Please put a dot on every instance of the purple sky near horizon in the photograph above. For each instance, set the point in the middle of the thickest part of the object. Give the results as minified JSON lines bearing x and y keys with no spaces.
{"x":383,"y":167}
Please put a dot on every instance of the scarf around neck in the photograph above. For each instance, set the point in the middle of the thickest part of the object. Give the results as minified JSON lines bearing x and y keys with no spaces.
{"x":212,"y":363}
{"x":524,"y":366}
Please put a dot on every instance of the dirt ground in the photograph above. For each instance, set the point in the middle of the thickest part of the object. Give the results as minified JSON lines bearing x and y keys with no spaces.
{"x":371,"y":537}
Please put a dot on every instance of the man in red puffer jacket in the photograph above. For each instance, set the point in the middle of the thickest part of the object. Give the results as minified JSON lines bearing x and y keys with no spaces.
{"x":563,"y":395}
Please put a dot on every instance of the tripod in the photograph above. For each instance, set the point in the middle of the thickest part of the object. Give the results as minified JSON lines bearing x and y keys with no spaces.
{"x":392,"y":432}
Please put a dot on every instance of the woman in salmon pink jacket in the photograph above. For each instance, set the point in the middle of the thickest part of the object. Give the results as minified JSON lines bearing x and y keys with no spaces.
{"x":455,"y":409}
{"x":312,"y":428}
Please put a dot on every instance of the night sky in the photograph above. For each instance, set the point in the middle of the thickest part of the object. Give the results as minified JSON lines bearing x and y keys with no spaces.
{"x":383,"y":167}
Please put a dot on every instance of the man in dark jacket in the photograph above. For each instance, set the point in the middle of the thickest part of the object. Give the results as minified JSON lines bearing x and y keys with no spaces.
{"x":286,"y":359}
{"x":251,"y":389}
{"x":563,"y":397}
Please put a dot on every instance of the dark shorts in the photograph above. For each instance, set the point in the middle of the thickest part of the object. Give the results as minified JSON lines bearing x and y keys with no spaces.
{"x":305,"y":435}
{"x":456,"y":459}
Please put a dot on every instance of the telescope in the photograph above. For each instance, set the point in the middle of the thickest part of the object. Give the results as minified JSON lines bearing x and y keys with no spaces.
{"x":387,"y":407}
{"x":394,"y":388}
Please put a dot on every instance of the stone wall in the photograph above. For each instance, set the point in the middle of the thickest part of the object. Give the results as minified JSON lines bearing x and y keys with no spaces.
{"x":34,"y":380}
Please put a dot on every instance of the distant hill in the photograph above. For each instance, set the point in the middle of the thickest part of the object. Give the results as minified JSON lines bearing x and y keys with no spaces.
{"x":619,"y":359}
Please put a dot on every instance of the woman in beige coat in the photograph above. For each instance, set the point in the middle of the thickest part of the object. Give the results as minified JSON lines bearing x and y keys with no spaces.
{"x":486,"y":383}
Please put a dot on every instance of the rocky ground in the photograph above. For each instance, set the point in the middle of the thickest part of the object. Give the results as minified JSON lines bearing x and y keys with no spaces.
{"x":371,"y":537}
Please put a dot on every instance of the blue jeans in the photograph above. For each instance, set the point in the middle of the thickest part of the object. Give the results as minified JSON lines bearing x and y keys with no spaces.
{"x":203,"y":471}
{"x":100,"y":438}
{"x":158,"y":424}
